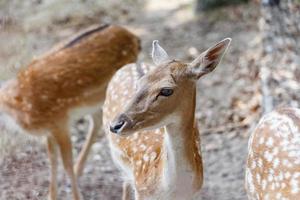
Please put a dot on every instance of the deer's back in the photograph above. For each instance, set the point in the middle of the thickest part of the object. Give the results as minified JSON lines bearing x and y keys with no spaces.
{"x":142,"y":151}
{"x":76,"y":74}
{"x":273,"y":163}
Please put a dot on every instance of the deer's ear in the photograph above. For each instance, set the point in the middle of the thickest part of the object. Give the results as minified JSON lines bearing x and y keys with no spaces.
{"x":208,"y":60}
{"x":159,"y":55}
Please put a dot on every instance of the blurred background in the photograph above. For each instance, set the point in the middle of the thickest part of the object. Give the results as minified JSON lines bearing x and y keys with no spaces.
{"x":260,"y":72}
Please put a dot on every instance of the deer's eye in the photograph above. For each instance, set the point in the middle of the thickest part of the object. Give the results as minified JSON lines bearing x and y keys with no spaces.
{"x":166,"y":92}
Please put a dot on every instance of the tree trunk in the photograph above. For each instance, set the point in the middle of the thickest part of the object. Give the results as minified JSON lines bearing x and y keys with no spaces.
{"x":204,"y":5}
{"x":280,"y":58}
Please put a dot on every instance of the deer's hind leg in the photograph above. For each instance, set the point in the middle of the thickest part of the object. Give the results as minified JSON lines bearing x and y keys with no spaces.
{"x":95,"y":125}
{"x":127,"y":191}
{"x":52,"y":154}
{"x":61,"y":135}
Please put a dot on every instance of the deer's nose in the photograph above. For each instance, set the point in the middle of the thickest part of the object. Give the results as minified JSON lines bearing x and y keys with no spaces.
{"x":123,"y":121}
{"x":117,"y":127}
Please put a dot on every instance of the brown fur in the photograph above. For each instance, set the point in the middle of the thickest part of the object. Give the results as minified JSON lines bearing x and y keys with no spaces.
{"x":74,"y":75}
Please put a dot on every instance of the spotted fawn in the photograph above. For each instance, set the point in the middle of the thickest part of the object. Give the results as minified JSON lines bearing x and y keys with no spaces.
{"x":149,"y":117}
{"x":273,"y":165}
{"x":69,"y":81}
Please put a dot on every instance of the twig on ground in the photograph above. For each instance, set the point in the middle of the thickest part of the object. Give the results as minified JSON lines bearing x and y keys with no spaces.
{"x":224,"y":128}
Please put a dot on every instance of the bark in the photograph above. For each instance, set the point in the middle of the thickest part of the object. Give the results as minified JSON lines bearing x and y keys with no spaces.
{"x":279,"y":59}
{"x":203,"y":5}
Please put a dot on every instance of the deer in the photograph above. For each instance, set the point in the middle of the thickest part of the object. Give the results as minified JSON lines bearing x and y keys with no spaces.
{"x":64,"y":84}
{"x":273,"y":163}
{"x":149,"y":117}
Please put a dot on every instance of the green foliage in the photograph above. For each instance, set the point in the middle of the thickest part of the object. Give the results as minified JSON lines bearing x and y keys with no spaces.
{"x":203,"y":5}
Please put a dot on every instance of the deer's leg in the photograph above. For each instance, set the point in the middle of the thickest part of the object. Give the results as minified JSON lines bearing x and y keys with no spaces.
{"x":65,"y":146}
{"x":126,"y":191}
{"x":52,"y":153}
{"x":137,"y":196}
{"x":95,"y":125}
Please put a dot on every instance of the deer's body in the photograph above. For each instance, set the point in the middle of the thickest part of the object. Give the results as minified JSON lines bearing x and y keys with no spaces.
{"x":273,"y":165}
{"x":68,"y":82}
{"x":159,"y":152}
{"x":72,"y":77}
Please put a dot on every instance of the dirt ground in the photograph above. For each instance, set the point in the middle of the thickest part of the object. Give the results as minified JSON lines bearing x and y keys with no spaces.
{"x":228,"y":102}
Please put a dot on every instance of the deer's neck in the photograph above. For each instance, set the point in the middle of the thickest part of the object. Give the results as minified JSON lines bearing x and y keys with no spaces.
{"x":182,"y":160}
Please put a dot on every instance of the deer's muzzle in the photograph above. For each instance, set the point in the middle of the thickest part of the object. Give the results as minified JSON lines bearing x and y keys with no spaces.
{"x":120,"y":124}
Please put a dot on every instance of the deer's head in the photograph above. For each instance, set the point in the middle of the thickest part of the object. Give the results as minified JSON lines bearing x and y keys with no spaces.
{"x":161,"y":92}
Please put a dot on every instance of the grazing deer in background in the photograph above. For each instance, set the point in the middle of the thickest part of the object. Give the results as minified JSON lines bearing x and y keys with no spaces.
{"x":273,"y":165}
{"x":68,"y":82}
{"x":160,"y":156}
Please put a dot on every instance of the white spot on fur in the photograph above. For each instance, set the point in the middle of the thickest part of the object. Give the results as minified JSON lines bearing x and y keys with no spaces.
{"x":260,"y":163}
{"x":287,"y":175}
{"x":146,"y":158}
{"x":152,"y":156}
{"x":261,"y":140}
{"x":270,"y":178}
{"x":294,"y":186}
{"x":249,"y":181}
{"x":268,"y":156}
{"x":143,"y":147}
{"x":276,"y":163}
{"x":253,"y":166}
{"x":264,"y":184}
{"x":269,"y":142}
{"x":139,"y":162}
